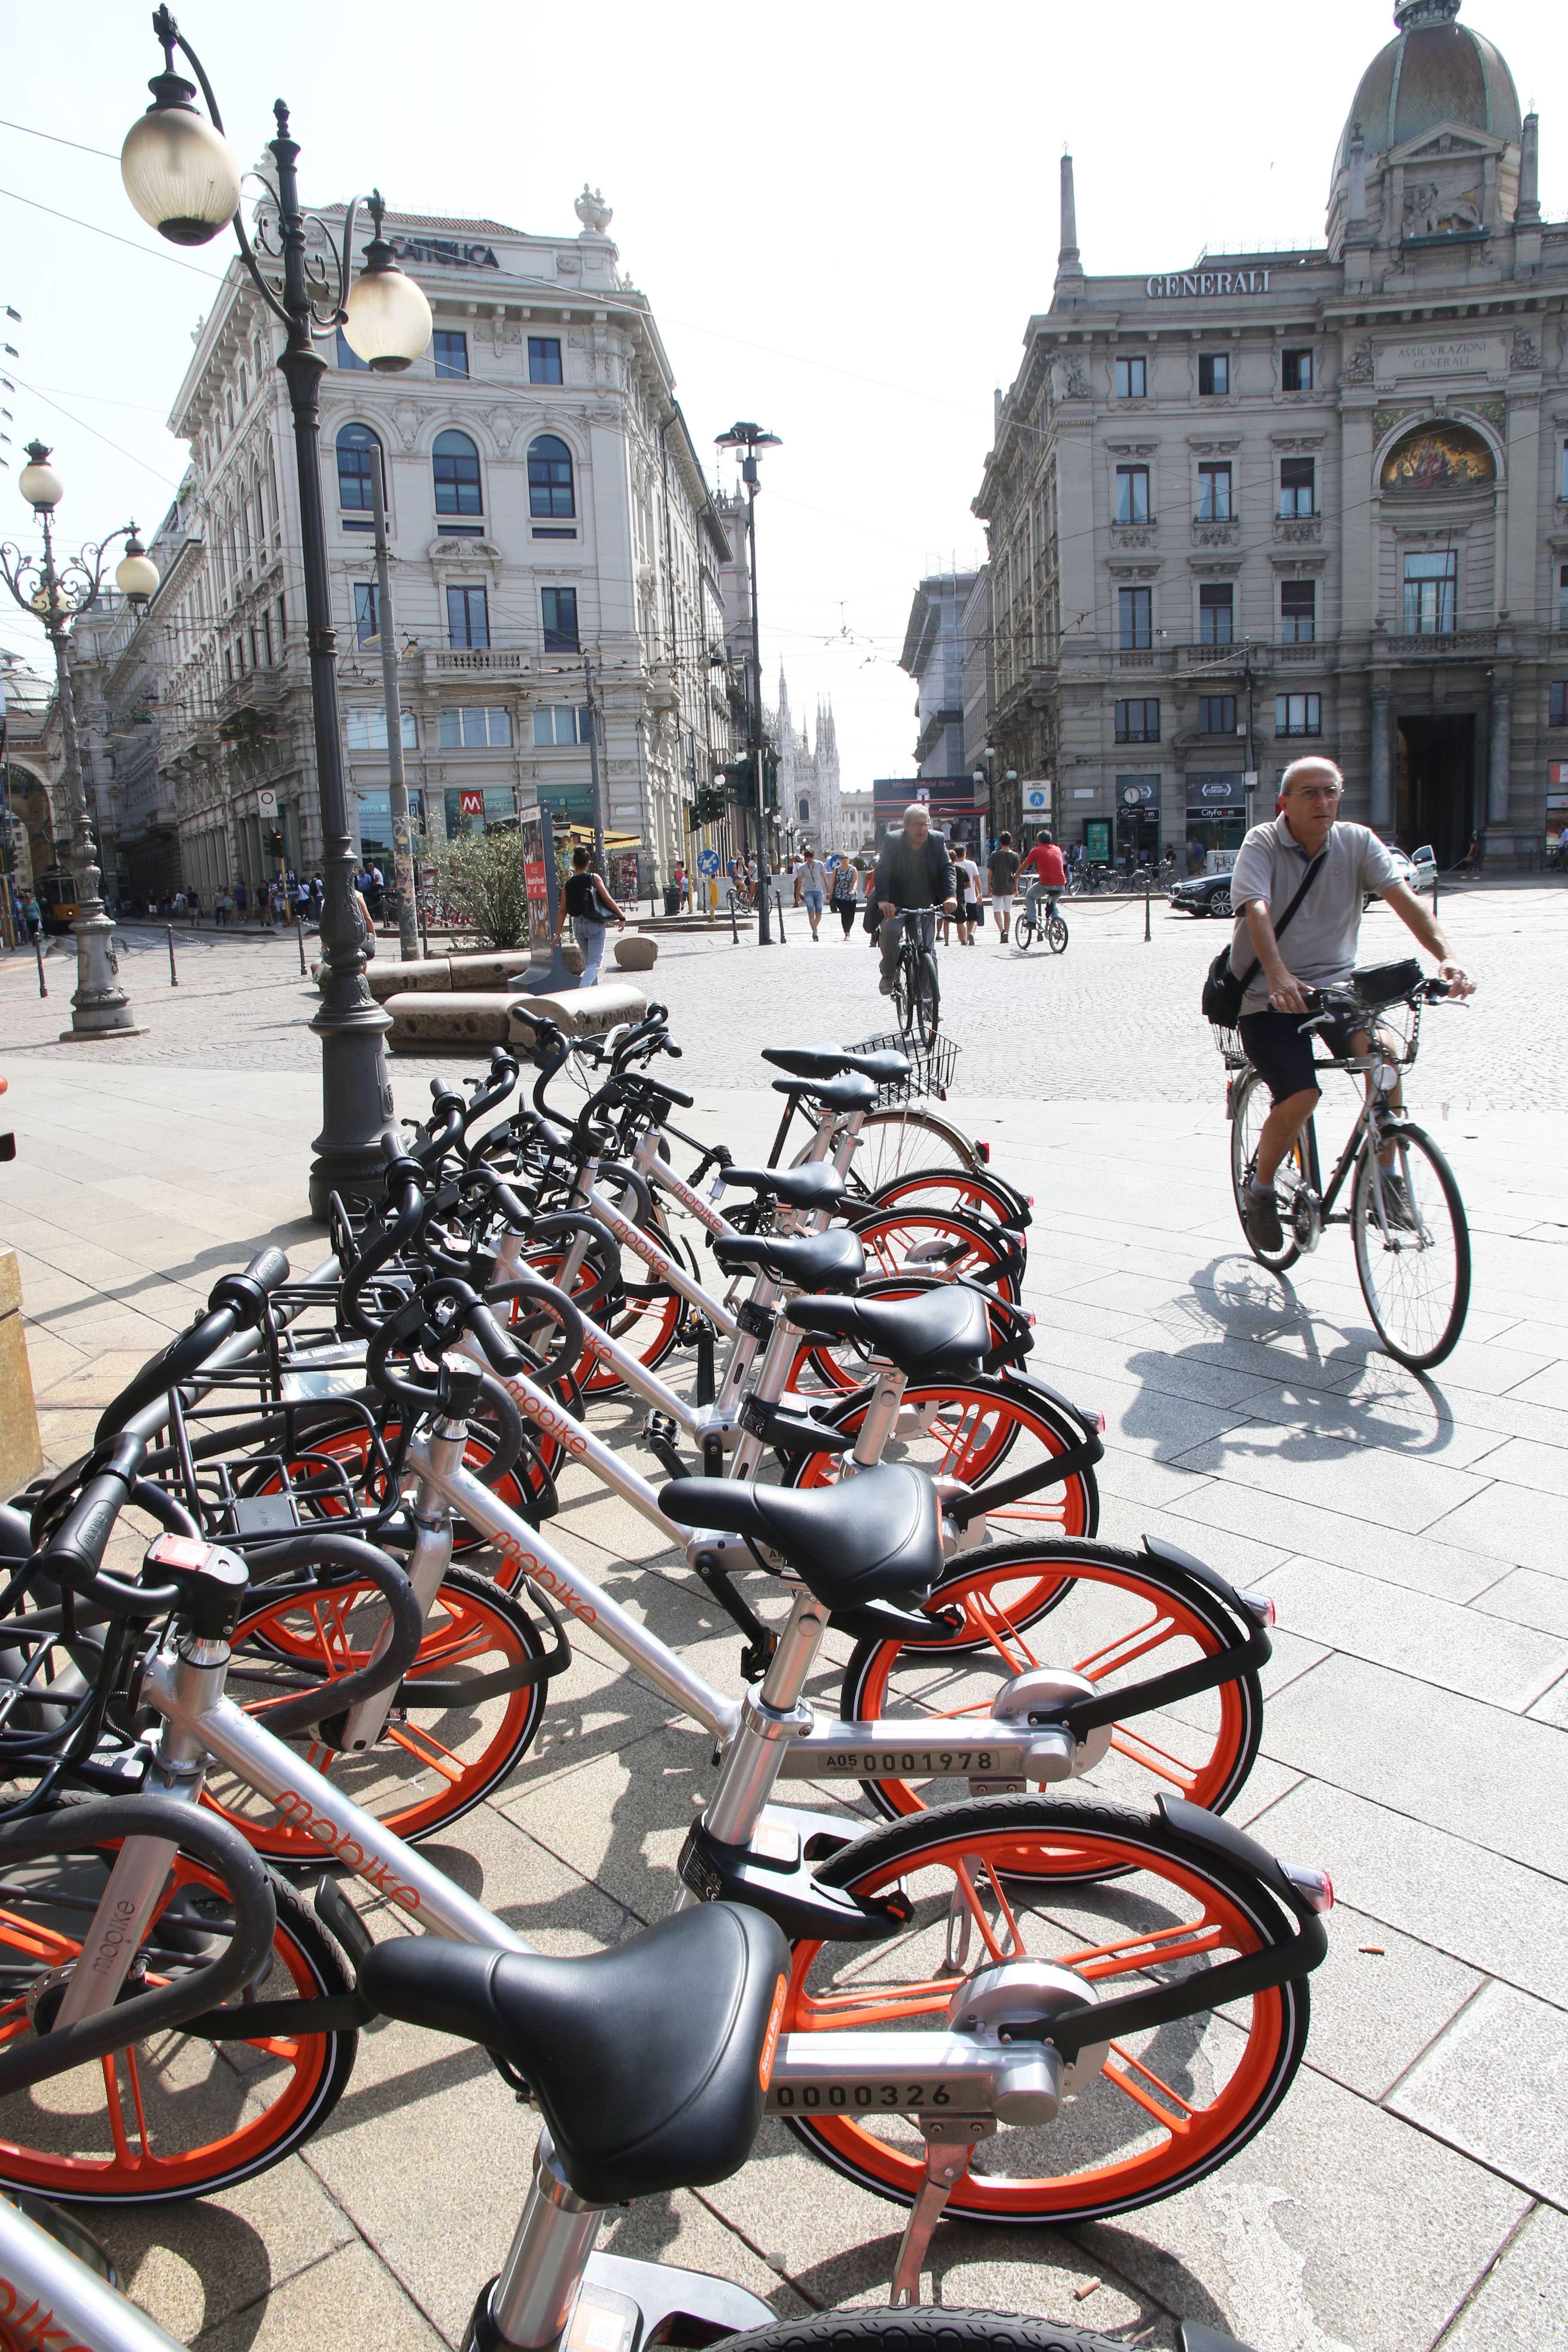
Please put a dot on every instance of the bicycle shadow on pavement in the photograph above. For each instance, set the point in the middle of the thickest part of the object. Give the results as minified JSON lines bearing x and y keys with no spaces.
{"x":1241,"y":1319}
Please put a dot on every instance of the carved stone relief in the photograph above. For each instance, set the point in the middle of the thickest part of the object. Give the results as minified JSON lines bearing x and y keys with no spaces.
{"x":1526,"y":351}
{"x":1357,"y":369}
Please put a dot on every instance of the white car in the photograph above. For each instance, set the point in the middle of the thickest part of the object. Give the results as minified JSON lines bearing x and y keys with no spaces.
{"x":1417,"y":869}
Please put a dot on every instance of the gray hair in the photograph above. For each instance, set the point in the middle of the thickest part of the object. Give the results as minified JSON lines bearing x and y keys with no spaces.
{"x":1316,"y":760}
{"x":917,"y":808}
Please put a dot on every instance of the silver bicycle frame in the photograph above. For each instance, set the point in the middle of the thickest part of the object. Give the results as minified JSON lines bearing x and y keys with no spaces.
{"x":49,"y":2298}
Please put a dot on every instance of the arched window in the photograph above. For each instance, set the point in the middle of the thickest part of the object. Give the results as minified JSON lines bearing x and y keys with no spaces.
{"x":456,"y":463}
{"x":805,"y":810}
{"x":550,"y":478}
{"x":356,"y":444}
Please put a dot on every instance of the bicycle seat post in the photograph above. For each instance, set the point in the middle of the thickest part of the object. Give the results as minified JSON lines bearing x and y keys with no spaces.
{"x":532,"y":2300}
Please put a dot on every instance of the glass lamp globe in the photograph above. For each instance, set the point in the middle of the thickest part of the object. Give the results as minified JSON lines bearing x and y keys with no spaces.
{"x":179,"y":172}
{"x":136,"y":575}
{"x":388,"y":324}
{"x":38,"y":483}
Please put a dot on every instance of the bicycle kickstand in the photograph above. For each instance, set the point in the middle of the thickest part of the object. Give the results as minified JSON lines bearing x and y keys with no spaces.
{"x":950,"y":2143}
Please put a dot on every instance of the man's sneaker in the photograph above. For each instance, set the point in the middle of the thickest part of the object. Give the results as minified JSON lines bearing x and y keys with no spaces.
{"x":884,"y":988}
{"x":1396,"y":1205}
{"x":1261,"y":1218}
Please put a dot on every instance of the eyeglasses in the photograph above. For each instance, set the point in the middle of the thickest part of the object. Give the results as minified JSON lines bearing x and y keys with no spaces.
{"x":1315,"y":792}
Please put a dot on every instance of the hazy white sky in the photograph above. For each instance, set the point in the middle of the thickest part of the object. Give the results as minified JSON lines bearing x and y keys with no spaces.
{"x":844,"y":214}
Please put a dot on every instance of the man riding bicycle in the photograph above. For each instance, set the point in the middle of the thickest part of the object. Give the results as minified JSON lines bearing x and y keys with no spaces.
{"x":1042,"y":875}
{"x":914,"y":870}
{"x":1271,"y":866}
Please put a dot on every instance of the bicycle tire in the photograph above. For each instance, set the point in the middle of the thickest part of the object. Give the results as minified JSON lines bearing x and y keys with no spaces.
{"x":1040,"y":1867}
{"x":1006,"y":1591}
{"x":1025,"y":930}
{"x":898,"y":1138}
{"x":1437,"y":1338}
{"x":971,"y":1192}
{"x":1250,"y":1105}
{"x":923,"y":2328}
{"x":974,"y":1431}
{"x":1057,"y":934}
{"x":126,"y":2168}
{"x":475,"y":1619}
{"x":928,"y":998}
{"x":981,"y":1254}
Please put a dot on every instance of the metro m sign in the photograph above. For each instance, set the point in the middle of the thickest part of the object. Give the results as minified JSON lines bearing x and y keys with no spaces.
{"x":470,"y":804}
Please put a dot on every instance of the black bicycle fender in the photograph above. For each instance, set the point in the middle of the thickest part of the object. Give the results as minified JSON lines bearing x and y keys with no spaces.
{"x":1220,"y":1586}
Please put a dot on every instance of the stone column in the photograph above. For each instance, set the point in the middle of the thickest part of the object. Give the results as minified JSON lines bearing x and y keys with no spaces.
{"x":1381,"y":811}
{"x":1497,"y":758}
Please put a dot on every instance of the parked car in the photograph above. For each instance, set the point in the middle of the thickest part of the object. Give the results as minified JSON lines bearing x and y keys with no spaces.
{"x":1205,"y":894}
{"x":1418,"y":870}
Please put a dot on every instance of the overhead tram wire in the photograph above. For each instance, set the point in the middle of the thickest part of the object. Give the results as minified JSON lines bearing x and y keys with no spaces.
{"x":149,"y":252}
{"x":82,"y":427}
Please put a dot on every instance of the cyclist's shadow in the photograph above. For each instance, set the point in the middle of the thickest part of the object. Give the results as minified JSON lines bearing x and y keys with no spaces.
{"x":1232,"y":1303}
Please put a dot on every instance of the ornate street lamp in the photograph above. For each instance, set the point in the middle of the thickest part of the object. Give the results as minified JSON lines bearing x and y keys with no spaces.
{"x":55,"y":594}
{"x":750,"y":438}
{"x":181,"y":176}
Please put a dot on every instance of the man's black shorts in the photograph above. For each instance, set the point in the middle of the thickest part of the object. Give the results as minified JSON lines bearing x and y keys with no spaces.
{"x":1281,"y":1055}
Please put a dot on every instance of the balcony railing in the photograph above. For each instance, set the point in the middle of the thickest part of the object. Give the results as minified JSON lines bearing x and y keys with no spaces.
{"x":1438,"y":644}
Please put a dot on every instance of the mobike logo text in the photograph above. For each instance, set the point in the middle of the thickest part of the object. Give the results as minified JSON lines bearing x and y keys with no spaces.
{"x":110,"y":1951}
{"x":300,"y":1815}
{"x":633,"y":1240}
{"x":554,"y":1422}
{"x":30,"y":2326}
{"x":771,"y":2039}
{"x":556,"y":1586}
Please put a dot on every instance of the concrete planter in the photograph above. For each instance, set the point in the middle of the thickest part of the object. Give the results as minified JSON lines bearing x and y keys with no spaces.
{"x":421,"y":1020}
{"x":636,"y":954}
{"x":584,"y":1013}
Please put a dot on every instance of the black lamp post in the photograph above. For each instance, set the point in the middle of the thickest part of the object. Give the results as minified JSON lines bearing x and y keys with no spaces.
{"x":181,"y":176}
{"x":750,"y":438}
{"x":55,"y":594}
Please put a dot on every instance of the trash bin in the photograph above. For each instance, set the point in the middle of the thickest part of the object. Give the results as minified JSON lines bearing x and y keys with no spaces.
{"x":672,"y":897}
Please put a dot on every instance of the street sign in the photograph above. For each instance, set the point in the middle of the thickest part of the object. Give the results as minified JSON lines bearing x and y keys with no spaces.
{"x":708,"y":861}
{"x":470,"y":804}
{"x":1036,"y":799}
{"x":267,"y":801}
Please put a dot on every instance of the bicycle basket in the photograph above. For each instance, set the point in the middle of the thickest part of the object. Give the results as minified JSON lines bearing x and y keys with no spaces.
{"x":1233,"y":1053}
{"x":930,"y":1072}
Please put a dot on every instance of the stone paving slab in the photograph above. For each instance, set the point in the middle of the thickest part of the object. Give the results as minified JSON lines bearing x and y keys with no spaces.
{"x":1408,"y":2193}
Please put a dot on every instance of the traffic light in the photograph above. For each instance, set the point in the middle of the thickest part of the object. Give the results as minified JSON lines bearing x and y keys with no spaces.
{"x":770,"y":781}
{"x":737,"y":778}
{"x":274,"y":839}
{"x":709,"y":804}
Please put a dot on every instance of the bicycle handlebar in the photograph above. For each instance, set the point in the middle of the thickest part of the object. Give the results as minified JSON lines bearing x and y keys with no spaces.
{"x":235,"y":1302}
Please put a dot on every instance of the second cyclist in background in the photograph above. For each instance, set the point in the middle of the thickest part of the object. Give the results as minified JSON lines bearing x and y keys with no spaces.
{"x":1043,"y":873}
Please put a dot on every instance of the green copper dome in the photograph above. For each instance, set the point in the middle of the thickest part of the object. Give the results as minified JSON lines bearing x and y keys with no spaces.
{"x":1435,"y":71}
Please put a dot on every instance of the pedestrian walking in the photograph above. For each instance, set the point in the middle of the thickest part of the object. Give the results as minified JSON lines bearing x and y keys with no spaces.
{"x":194,"y":909}
{"x":966,"y":875}
{"x":32,"y":915}
{"x":846,"y":889}
{"x":582,"y":899}
{"x":1002,"y":871}
{"x":811,"y":889}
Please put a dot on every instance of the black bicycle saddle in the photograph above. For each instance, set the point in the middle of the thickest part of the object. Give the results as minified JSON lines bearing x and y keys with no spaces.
{"x":834,"y":1261}
{"x":839,"y":1096}
{"x":876,"y":1537}
{"x":646,"y":2059}
{"x":817,"y":1185}
{"x":812,"y":1061}
{"x":929,"y":1336}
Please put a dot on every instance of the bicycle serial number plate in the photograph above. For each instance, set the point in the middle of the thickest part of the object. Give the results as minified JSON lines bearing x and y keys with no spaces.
{"x":903,"y":2095}
{"x":924,"y":1763}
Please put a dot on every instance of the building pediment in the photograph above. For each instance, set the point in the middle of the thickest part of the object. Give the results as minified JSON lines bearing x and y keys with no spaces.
{"x":1446,"y":142}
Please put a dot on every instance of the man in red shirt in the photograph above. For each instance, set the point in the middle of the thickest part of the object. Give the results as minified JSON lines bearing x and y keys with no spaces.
{"x":1043,"y":872}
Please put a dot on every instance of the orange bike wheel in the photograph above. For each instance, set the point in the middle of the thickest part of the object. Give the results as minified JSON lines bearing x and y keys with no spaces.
{"x":350,"y":1449}
{"x":646,"y":1325}
{"x":975,"y":1430}
{"x":1023,"y":1878}
{"x":427,"y":1770}
{"x":1105,"y":1614}
{"x":173,"y":2116}
{"x":979,"y":1253}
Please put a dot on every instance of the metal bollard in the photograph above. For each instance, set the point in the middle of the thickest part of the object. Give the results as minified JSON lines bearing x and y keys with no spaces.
{"x":1147,"y":933}
{"x":300,"y":934}
{"x":38,"y":951}
{"x":778,"y":902}
{"x":734,"y":934}
{"x":1434,"y":894}
{"x":174,"y":975}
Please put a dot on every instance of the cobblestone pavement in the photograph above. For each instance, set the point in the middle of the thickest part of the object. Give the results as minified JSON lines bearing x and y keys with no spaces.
{"x":1115,"y":1017}
{"x":1413,"y":2190}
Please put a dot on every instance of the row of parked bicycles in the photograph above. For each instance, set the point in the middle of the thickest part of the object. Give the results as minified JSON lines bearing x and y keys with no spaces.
{"x":306,"y":1602}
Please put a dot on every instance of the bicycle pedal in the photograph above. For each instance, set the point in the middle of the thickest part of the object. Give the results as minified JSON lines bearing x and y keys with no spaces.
{"x":756,"y":1657}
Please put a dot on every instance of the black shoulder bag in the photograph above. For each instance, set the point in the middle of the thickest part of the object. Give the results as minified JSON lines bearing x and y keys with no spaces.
{"x":1222,"y":987}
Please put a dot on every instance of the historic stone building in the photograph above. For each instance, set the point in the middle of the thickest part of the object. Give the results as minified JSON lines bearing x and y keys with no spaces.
{"x":1276,"y":499}
{"x":933,"y":655}
{"x":555,"y":560}
{"x":808,"y":793}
